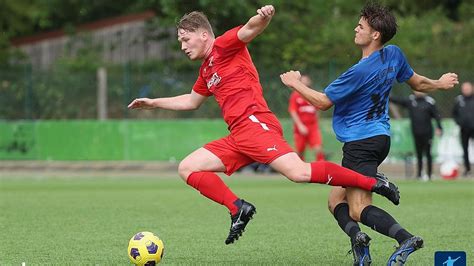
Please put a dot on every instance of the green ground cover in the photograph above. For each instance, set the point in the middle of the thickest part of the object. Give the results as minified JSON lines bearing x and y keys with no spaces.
{"x":88,"y":221}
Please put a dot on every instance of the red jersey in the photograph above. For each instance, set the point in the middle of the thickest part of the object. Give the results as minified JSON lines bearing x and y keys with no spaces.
{"x":229,"y":74}
{"x":305,"y":111}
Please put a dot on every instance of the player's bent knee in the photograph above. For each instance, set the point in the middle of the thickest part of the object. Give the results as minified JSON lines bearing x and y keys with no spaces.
{"x":330,"y":207}
{"x":184,"y":170}
{"x":332,"y":204}
{"x":354,"y":213}
{"x":297,"y":177}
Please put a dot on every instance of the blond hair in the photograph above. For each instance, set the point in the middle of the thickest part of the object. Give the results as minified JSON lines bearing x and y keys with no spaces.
{"x":194,"y":21}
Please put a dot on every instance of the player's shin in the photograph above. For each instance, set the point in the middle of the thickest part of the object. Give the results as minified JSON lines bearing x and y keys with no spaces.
{"x":334,"y":175}
{"x":344,"y":220}
{"x":382,"y":222}
{"x":211,"y":186}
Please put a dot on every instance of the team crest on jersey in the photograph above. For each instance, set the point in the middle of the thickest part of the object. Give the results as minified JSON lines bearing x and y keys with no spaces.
{"x":215,"y":79}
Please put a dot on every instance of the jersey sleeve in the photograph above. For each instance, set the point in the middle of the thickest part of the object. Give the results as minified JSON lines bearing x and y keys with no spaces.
{"x":292,"y":103}
{"x":229,"y":41}
{"x":344,"y":86}
{"x":200,"y":87}
{"x":405,"y":71}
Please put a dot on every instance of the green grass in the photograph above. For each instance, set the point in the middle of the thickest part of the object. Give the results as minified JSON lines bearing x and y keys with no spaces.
{"x":90,"y":220}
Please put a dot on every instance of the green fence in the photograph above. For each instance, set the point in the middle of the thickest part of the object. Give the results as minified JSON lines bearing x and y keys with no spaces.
{"x":62,"y":93}
{"x":162,"y":140}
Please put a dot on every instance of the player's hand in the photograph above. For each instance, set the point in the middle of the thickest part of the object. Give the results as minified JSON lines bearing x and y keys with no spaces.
{"x":141,"y":103}
{"x":290,"y":78}
{"x":266,"y":11}
{"x":448,"y":81}
{"x":303,"y":130}
{"x":438,"y":132}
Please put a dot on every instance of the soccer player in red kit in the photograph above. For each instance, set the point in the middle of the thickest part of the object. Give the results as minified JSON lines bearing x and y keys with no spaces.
{"x":227,"y":73}
{"x":305,"y":123}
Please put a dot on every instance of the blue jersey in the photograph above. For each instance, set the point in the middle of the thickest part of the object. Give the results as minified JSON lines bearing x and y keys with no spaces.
{"x":361,"y":94}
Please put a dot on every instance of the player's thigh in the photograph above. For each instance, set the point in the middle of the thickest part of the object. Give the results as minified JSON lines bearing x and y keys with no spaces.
{"x":419,"y":142}
{"x":364,"y":156}
{"x":428,"y":144}
{"x":291,"y":166}
{"x":201,"y":160}
{"x":357,"y":199}
{"x":227,"y":150}
{"x":314,"y":137}
{"x":261,"y":138}
{"x":337,"y":195}
{"x":300,"y":142}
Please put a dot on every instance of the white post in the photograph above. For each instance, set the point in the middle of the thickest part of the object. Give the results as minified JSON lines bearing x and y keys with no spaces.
{"x":101,"y":93}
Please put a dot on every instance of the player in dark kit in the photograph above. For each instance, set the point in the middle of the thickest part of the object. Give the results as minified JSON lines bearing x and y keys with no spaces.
{"x":227,"y":73}
{"x":463,"y":113}
{"x":422,"y":109}
{"x":361,"y":122}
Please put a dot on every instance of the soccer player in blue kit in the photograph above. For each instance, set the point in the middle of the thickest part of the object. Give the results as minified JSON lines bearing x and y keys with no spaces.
{"x":360,"y":97}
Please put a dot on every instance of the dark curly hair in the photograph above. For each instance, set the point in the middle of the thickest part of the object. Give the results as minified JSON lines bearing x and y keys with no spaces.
{"x":381,"y":19}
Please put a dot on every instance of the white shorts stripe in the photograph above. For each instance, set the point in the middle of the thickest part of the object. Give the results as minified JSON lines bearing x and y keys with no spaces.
{"x":255,"y":120}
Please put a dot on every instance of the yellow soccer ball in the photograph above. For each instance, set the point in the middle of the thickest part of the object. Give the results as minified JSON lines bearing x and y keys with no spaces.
{"x":145,"y":248}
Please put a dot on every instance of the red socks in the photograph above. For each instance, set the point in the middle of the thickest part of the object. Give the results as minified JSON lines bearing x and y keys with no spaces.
{"x":211,"y":186}
{"x":334,"y":175}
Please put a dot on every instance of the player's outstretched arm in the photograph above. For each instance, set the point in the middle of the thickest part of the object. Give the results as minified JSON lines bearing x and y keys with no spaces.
{"x":256,"y":24}
{"x":189,"y":101}
{"x":424,"y":84}
{"x":292,"y":80}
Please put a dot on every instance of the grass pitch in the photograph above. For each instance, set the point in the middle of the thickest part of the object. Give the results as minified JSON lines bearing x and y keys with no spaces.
{"x":88,"y":221}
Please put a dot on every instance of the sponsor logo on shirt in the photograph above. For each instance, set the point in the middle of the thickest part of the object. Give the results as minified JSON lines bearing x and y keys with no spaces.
{"x":215,"y":79}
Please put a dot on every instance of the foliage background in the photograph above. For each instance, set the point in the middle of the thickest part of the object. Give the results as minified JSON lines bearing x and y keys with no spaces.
{"x":314,"y":36}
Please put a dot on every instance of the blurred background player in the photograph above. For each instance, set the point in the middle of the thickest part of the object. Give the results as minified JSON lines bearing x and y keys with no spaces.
{"x":305,"y":124}
{"x":228,"y":73}
{"x":421,"y":109}
{"x":463,"y":113}
{"x":360,"y":97}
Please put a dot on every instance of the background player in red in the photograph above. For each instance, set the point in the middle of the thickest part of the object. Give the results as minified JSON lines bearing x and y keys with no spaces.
{"x":228,"y":73}
{"x":305,"y":123}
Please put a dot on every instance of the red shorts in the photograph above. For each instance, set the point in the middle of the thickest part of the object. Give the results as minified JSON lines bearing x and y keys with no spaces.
{"x":259,"y":138}
{"x":313,"y":138}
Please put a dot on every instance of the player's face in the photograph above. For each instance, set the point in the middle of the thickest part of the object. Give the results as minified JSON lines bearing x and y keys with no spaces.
{"x":466,"y":89}
{"x":306,"y":80}
{"x":192,"y":43}
{"x":363,"y":33}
